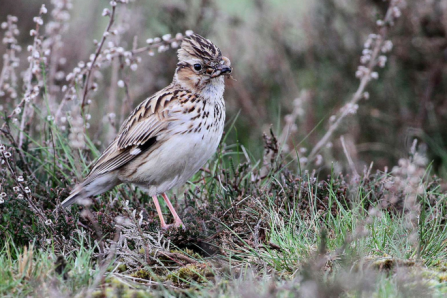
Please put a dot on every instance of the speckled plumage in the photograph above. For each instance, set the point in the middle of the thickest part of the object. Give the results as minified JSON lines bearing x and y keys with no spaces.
{"x":170,"y":135}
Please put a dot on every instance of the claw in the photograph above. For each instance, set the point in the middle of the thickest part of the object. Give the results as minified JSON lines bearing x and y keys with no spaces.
{"x":177,"y":224}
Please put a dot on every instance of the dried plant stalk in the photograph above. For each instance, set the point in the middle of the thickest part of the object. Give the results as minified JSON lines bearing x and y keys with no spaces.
{"x":365,"y":73}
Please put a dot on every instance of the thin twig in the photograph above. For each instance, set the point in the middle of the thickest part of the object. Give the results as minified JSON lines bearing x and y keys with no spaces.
{"x":174,"y":256}
{"x":5,"y":130}
{"x":45,"y":222}
{"x":98,"y":51}
{"x":100,"y":58}
{"x":29,"y":87}
{"x":144,"y":281}
{"x":345,"y":111}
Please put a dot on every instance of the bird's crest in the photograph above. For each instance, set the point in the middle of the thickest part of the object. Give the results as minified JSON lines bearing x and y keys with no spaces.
{"x":196,"y":46}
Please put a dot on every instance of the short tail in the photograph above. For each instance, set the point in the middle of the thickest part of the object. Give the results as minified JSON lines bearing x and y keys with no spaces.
{"x":92,"y":186}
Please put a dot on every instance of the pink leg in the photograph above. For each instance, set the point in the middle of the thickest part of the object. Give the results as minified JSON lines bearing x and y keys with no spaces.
{"x":177,"y":221}
{"x":164,"y":226}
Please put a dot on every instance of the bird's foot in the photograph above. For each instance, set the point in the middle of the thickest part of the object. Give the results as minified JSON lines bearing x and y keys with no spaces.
{"x":177,"y":224}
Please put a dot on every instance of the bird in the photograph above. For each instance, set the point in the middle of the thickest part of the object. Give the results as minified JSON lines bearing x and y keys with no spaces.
{"x":170,"y":135}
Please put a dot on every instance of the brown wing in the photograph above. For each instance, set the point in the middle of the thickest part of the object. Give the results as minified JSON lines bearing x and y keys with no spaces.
{"x":139,"y":132}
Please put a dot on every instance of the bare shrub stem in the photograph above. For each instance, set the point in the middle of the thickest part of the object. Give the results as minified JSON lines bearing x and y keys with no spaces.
{"x":344,"y":111}
{"x":29,"y":87}
{"x":365,"y":78}
{"x":98,"y":51}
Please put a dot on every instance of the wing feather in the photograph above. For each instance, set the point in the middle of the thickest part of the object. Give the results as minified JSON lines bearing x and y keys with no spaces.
{"x":148,"y":121}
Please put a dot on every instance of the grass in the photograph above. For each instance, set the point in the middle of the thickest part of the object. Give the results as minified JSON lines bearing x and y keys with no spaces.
{"x":281,"y":236}
{"x":254,"y":228}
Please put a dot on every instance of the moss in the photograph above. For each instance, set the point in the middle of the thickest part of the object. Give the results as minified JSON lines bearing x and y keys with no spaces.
{"x":192,"y":272}
{"x":114,"y":282}
{"x":117,"y":289}
{"x":383,"y":264}
{"x":429,"y":274}
{"x":113,"y":292}
{"x":388,"y":263}
{"x":145,"y":274}
{"x":435,"y":275}
{"x":122,"y":268}
{"x":442,"y":277}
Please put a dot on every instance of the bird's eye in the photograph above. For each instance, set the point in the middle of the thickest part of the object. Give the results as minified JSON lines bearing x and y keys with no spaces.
{"x":197,"y":67}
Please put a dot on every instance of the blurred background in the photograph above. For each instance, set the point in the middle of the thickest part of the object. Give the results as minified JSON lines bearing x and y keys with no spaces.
{"x":295,"y":58}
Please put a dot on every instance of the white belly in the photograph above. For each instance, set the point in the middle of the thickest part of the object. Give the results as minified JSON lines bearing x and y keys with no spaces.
{"x":175,"y":161}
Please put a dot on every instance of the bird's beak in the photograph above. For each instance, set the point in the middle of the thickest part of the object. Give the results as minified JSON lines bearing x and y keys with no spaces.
{"x":220,"y":70}
{"x":224,"y":68}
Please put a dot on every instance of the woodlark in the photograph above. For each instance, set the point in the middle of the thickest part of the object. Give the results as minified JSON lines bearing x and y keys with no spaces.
{"x":170,"y":135}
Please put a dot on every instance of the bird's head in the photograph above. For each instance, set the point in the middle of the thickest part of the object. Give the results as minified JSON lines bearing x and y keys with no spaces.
{"x":200,"y":63}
